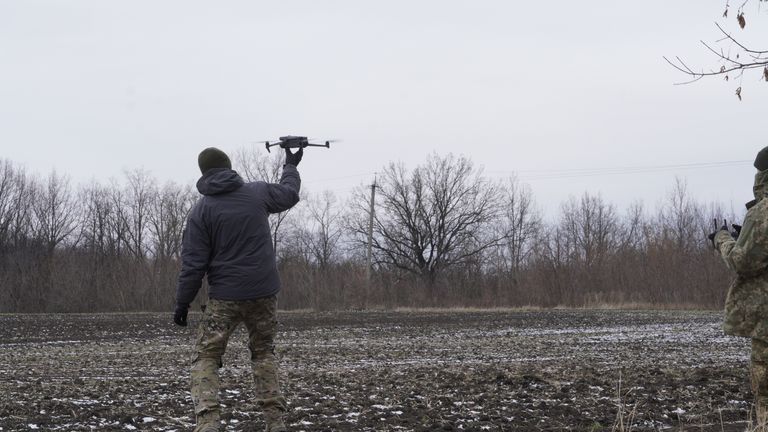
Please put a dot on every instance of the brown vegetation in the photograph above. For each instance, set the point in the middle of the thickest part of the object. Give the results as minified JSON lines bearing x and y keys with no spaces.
{"x":444,"y":235}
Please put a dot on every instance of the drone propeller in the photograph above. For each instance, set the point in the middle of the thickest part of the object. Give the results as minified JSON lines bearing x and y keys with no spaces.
{"x":325,"y":140}
{"x":269,"y":144}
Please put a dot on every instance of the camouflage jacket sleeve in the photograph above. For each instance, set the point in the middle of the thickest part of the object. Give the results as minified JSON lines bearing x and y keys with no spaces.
{"x":747,"y":256}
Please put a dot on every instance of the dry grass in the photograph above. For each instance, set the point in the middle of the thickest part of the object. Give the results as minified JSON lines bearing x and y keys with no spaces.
{"x":625,"y":415}
{"x":469,"y":309}
{"x":595,"y":306}
{"x":758,"y":422}
{"x":643,"y":306}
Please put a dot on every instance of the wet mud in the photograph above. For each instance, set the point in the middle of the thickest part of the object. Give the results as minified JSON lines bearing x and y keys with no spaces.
{"x":395,"y":371}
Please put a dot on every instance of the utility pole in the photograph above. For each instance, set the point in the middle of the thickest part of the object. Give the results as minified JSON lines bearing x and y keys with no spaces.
{"x":370,"y":241}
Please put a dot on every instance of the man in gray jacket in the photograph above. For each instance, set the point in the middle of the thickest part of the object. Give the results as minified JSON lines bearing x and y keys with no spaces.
{"x":227,"y":238}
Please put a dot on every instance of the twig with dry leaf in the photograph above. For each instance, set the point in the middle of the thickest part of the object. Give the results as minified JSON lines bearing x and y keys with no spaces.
{"x":732,"y":62}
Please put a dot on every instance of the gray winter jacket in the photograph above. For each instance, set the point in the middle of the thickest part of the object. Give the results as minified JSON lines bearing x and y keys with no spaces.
{"x":228,"y":238}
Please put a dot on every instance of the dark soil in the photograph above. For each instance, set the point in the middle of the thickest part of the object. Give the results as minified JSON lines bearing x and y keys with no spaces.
{"x":408,"y":371}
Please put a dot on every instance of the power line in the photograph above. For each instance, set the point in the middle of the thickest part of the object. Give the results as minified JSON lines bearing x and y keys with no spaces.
{"x":672,"y":166}
{"x":344,"y":177}
{"x":567,"y":173}
{"x":606,"y":171}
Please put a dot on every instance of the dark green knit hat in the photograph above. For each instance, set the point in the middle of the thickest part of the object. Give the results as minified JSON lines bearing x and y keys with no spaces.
{"x":213,"y":158}
{"x":761,"y":161}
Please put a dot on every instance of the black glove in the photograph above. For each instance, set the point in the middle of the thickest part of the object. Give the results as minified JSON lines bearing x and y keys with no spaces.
{"x":293,"y":158}
{"x":180,"y":315}
{"x":736,"y":231}
{"x":711,"y":236}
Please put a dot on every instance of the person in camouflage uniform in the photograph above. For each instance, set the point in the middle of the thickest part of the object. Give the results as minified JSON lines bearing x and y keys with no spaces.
{"x":227,"y":239}
{"x":746,"y":306}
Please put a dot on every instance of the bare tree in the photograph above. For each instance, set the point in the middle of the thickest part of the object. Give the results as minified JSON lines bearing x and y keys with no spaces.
{"x":590,"y":228}
{"x":95,"y":222}
{"x":432,"y":218}
{"x":518,"y":226}
{"x":138,"y":197}
{"x":679,"y":217}
{"x":591,"y":225}
{"x":118,"y":220}
{"x":17,"y":262}
{"x":132,"y":204}
{"x":321,"y":233}
{"x":17,"y":194}
{"x":55,"y":211}
{"x":99,"y":244}
{"x":169,"y":209}
{"x":167,"y":214}
{"x":7,"y":193}
{"x":313,"y":252}
{"x":553,"y":268}
{"x":633,"y":227}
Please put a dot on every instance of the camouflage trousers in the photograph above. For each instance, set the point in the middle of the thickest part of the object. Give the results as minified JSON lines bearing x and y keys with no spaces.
{"x":221,"y":318}
{"x":759,"y":378}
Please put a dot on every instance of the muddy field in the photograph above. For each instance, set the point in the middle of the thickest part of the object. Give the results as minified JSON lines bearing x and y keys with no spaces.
{"x":366,"y":371}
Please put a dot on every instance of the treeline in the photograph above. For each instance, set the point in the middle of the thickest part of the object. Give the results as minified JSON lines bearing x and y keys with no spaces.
{"x":444,"y":235}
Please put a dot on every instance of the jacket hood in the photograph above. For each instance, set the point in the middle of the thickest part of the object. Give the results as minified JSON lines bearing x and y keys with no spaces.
{"x":760,"y":189}
{"x":219,"y":181}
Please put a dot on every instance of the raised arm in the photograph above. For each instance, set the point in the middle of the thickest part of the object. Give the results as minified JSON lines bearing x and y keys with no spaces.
{"x":284,"y":195}
{"x":747,"y":256}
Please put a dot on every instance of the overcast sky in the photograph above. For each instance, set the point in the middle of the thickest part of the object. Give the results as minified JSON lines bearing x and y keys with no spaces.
{"x":91,"y":88}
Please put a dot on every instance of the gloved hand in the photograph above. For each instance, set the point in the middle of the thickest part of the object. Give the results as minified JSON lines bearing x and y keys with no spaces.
{"x":180,"y":315}
{"x":293,"y":158}
{"x":736,"y":231}
{"x":711,"y":236}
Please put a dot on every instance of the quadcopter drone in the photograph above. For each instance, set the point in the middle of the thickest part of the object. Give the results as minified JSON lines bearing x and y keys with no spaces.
{"x":291,"y":141}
